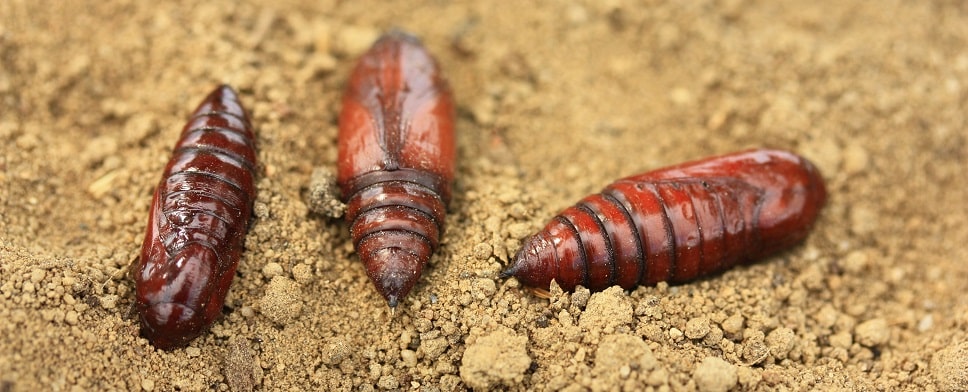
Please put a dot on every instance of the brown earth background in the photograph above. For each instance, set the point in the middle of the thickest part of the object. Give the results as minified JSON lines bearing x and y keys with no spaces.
{"x":556,"y":99}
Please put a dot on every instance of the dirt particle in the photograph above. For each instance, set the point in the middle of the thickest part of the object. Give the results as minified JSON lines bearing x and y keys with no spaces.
{"x":351,"y":41}
{"x":733,"y":325}
{"x":388,"y":382}
{"x":579,"y":298}
{"x":318,"y":64}
{"x":238,"y":365}
{"x":874,"y":332}
{"x":863,"y":220}
{"x":697,"y":328}
{"x":139,"y":127}
{"x":825,"y":152}
{"x":483,"y":288}
{"x":498,"y":358}
{"x":841,"y":340}
{"x":109,"y":301}
{"x":409,"y":358}
{"x":483,"y":110}
{"x":617,"y":356}
{"x":518,"y":211}
{"x":37,"y":275}
{"x":780,"y":341}
{"x":148,"y":384}
{"x":271,"y":270}
{"x":827,"y":316}
{"x":302,"y":273}
{"x":336,"y":351}
{"x":754,"y":347}
{"x":926,"y":323}
{"x":482,"y":251}
{"x":715,"y":375}
{"x":433,"y":348}
{"x":323,"y":195}
{"x":71,"y":317}
{"x":855,"y":261}
{"x":855,"y":159}
{"x":675,"y":334}
{"x":949,"y":366}
{"x":658,"y":377}
{"x":606,"y":312}
{"x":519,"y":230}
{"x":282,"y":301}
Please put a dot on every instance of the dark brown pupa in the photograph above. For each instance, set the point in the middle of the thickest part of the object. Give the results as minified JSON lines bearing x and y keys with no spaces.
{"x":396,"y":160}
{"x":677,"y":224}
{"x":198,"y":220}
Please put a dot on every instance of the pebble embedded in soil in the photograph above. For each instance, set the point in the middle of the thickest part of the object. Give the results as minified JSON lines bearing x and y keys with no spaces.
{"x":780,"y":341}
{"x":697,"y":328}
{"x":874,"y":332}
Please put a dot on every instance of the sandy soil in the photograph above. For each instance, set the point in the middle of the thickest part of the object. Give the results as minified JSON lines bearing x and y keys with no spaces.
{"x":556,"y":100}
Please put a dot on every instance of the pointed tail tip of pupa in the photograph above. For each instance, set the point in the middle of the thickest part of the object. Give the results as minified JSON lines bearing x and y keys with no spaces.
{"x":509,"y":272}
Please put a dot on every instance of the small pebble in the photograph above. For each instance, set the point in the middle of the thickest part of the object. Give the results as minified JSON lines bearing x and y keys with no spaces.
{"x":38,"y":275}
{"x":697,"y":328}
{"x":855,"y":261}
{"x":841,"y":340}
{"x":271,"y":270}
{"x":675,"y":334}
{"x":874,"y":332}
{"x":926,"y":323}
{"x":733,"y":324}
{"x":388,"y":382}
{"x":483,"y":288}
{"x":482,"y":251}
{"x":109,"y":301}
{"x":780,"y":341}
{"x":352,"y":41}
{"x":409,"y":358}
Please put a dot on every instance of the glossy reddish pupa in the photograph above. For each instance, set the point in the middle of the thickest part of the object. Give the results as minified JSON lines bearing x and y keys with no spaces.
{"x":396,"y":160}
{"x":197,"y":223}
{"x":676,"y":224}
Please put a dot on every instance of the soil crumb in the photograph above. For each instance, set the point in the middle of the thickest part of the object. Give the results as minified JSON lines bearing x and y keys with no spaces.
{"x":715,"y":375}
{"x":494,"y":359}
{"x":950,"y":367}
{"x":324,"y":194}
